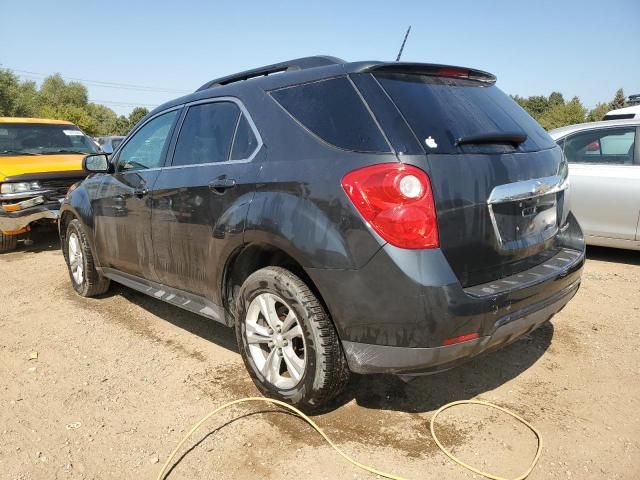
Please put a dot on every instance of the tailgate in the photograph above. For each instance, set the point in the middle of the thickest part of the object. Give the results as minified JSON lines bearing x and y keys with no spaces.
{"x":498,"y":179}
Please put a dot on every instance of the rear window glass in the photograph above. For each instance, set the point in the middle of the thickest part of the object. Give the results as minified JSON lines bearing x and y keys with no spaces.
{"x":441,"y":110}
{"x":334,"y":111}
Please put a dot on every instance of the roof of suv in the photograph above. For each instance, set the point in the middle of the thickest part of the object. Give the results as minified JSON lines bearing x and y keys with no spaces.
{"x":305,"y":69}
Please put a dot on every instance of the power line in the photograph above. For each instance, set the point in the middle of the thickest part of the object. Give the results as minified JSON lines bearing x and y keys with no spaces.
{"x":100,"y":83}
{"x":124,"y":104}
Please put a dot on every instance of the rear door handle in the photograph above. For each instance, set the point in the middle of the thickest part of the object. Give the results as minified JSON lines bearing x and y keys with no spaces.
{"x":221,"y":184}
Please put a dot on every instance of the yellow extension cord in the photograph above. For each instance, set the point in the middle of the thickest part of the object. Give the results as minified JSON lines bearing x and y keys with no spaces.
{"x":367,"y":468}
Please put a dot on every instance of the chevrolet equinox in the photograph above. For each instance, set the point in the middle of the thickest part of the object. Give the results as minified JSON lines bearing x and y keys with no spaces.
{"x":363,"y":217}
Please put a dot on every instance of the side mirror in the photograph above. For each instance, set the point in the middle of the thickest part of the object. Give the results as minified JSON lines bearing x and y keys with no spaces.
{"x":96,"y":163}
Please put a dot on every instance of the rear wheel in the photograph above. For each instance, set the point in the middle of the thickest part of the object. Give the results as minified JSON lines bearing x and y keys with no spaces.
{"x":8,"y":242}
{"x":287,"y":341}
{"x":84,"y":277}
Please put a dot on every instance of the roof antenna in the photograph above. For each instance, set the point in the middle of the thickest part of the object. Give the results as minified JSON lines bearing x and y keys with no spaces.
{"x":403,"y":42}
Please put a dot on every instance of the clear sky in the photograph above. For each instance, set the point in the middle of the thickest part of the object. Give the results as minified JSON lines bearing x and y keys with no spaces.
{"x":579,"y":47}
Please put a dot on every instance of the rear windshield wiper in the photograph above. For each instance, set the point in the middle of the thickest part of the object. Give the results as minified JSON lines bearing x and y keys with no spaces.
{"x":512,"y":138}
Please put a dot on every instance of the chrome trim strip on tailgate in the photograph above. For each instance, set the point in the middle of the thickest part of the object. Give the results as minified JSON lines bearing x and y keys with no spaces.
{"x":512,"y":192}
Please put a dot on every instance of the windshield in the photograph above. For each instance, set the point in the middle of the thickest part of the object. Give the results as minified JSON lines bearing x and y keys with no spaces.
{"x":43,"y":139}
{"x":443,"y":110}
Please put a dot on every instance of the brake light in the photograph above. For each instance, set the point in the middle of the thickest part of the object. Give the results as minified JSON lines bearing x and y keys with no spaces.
{"x":397,"y":201}
{"x":453,"y":72}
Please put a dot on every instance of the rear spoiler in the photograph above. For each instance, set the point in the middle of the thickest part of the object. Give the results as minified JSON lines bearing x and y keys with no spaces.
{"x":431,"y":69}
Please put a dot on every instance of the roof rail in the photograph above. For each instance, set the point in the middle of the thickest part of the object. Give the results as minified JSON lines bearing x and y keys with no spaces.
{"x":289,"y":65}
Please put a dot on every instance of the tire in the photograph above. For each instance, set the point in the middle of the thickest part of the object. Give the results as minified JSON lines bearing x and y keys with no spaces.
{"x":8,"y":242}
{"x":85,"y":279}
{"x":306,"y":331}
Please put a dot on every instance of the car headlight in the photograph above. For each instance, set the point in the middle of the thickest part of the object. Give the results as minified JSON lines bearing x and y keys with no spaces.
{"x":19,"y":187}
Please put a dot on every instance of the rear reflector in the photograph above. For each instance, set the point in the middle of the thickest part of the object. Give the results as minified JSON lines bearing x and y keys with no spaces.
{"x":460,"y":339}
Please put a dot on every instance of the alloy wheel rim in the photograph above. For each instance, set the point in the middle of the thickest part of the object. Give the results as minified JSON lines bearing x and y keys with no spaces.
{"x":76,"y":263}
{"x":276,"y":342}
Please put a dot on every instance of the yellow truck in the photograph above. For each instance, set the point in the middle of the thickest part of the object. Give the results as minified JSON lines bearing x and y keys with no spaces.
{"x":39,"y":160}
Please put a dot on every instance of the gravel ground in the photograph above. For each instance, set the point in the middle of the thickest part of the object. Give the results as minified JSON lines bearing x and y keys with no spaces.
{"x":105,"y":388}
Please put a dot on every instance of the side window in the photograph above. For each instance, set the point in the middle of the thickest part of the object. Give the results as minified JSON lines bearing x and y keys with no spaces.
{"x":244,"y":142}
{"x":610,"y":146}
{"x":145,"y":148}
{"x":334,"y":111}
{"x":206,"y":134}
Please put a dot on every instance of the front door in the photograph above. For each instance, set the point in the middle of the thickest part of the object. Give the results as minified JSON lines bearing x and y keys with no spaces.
{"x":123,"y":202}
{"x":201,"y":200}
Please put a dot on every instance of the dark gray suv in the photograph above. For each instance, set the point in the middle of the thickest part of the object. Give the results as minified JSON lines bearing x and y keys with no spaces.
{"x":362,"y":217}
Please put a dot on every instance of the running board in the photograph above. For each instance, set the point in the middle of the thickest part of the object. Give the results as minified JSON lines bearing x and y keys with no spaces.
{"x":179,"y":298}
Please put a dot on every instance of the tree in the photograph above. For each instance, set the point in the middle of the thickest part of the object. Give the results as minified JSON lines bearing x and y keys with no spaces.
{"x":562,"y":114}
{"x":618,"y":101}
{"x":122,"y":126}
{"x":598,"y":112}
{"x":56,"y":92}
{"x":556,"y":98}
{"x":136,"y":115}
{"x":535,"y":106}
{"x":16,"y":99}
{"x":106,"y":119}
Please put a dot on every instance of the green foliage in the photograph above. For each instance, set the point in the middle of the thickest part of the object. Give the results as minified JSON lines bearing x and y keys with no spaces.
{"x":136,"y":115}
{"x":618,"y":101}
{"x":561,"y":114}
{"x":553,"y":111}
{"x":64,"y":101}
{"x":535,"y":106}
{"x":556,"y":98}
{"x":598,"y":112}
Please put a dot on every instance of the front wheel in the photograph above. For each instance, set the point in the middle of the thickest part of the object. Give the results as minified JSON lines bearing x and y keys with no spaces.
{"x":287,"y":341}
{"x":86,"y":280}
{"x":8,"y":242}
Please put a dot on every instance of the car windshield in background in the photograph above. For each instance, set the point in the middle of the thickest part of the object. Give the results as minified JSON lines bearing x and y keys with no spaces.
{"x":43,"y":139}
{"x":441,"y":110}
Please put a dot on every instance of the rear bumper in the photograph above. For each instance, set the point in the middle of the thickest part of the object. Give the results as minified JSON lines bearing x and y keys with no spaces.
{"x":26,"y":214}
{"x":367,"y":358}
{"x":396,"y":313}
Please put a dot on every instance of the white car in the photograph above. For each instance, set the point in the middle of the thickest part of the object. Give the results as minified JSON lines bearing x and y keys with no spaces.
{"x":626,"y":113}
{"x":604,"y":180}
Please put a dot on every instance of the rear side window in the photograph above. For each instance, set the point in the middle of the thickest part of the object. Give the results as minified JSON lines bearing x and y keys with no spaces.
{"x":245,"y":141}
{"x":610,"y":146}
{"x":333,"y":110}
{"x":206,"y":134}
{"x":441,"y":110}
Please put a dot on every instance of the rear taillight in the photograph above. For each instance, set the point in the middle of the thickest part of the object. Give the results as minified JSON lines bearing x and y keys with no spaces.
{"x":397,"y":201}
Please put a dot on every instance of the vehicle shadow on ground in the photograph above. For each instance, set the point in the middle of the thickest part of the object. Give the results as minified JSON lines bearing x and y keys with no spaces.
{"x":383,"y":392}
{"x":428,"y":393}
{"x":613,"y":255}
{"x":43,"y":241}
{"x":205,"y":328}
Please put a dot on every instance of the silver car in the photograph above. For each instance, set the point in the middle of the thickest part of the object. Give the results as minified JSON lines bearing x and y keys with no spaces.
{"x":604,"y":176}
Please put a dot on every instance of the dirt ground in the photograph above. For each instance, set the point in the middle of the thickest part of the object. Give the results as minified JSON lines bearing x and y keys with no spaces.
{"x":119,"y":380}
